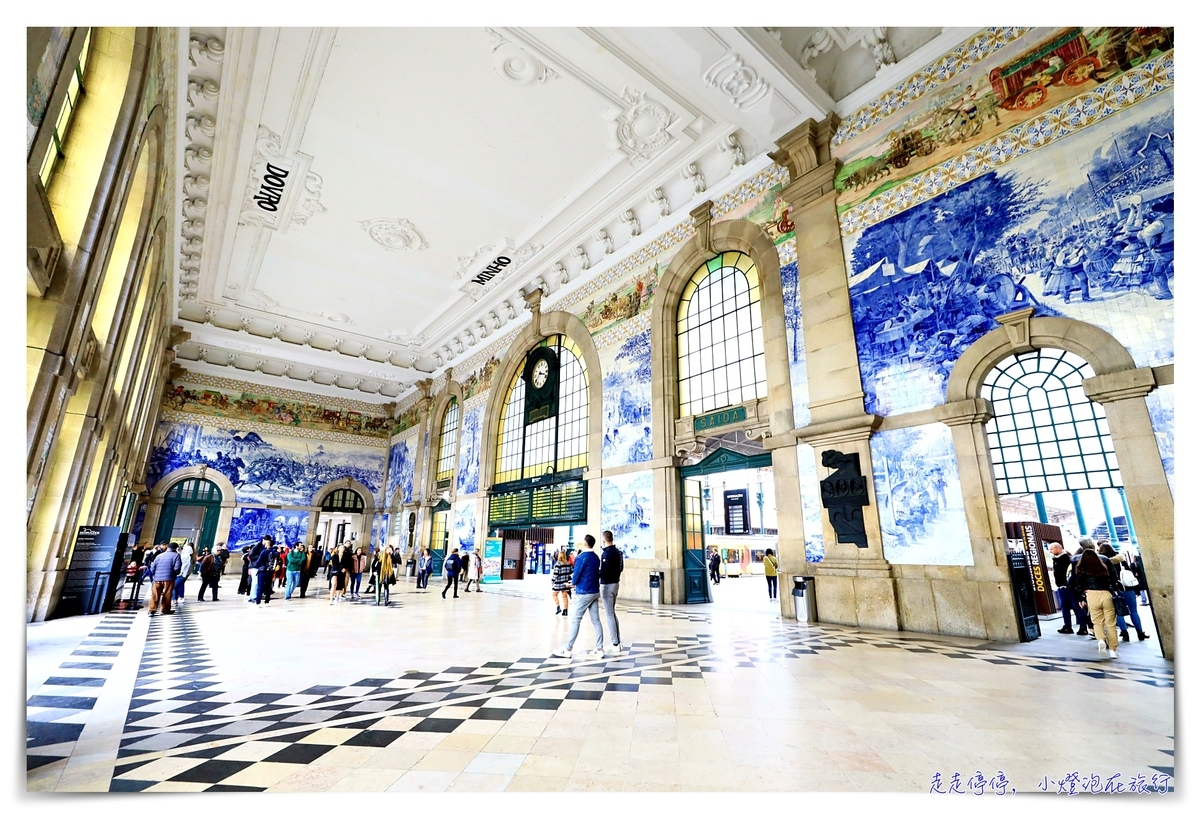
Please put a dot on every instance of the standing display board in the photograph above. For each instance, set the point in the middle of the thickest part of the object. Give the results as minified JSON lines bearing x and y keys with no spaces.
{"x":493,"y":549}
{"x":91,"y":571}
{"x":1034,"y":539}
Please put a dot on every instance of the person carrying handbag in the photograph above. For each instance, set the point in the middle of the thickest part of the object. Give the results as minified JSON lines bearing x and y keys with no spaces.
{"x":1130,"y":581}
{"x":1094,"y":578}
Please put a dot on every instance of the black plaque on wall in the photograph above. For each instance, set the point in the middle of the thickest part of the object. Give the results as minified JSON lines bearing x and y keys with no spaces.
{"x":843,"y":495}
{"x":737,"y":512}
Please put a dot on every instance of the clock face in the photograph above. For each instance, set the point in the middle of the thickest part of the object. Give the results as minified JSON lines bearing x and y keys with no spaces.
{"x":541,"y":371}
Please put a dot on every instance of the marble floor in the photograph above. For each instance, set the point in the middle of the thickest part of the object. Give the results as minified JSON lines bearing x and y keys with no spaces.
{"x":463,"y":695}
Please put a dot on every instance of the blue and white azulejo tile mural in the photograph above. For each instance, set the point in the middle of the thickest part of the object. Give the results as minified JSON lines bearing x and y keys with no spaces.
{"x":401,"y":463}
{"x":1161,"y":403}
{"x":626,"y":411}
{"x":627,"y":509}
{"x":789,"y":276}
{"x":250,"y":525}
{"x":919,"y":496}
{"x":1084,"y":228}
{"x":810,"y":503}
{"x":464,"y":525}
{"x":264,"y":468}
{"x":468,"y":450}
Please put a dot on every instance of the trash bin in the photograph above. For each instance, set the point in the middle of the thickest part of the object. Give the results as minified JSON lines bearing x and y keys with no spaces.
{"x":410,"y":568}
{"x":656,"y":578}
{"x":805,"y":599}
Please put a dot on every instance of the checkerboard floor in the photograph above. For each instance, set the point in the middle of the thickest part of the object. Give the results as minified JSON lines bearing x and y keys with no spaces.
{"x":837,"y":707}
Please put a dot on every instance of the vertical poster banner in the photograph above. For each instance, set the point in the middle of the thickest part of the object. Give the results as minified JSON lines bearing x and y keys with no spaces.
{"x":91,"y":570}
{"x":493,"y":548}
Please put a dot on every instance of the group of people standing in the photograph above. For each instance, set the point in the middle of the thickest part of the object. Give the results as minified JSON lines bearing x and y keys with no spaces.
{"x":167,"y":566}
{"x":1099,"y":586}
{"x":466,"y":566}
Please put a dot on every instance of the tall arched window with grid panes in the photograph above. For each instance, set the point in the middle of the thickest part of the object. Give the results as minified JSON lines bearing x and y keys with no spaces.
{"x":1045,"y":434}
{"x":720,"y":340}
{"x":542,"y":449}
{"x":447,"y":446}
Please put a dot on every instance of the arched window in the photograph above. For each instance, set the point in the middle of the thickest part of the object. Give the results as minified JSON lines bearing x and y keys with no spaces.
{"x":448,"y":445}
{"x":194,"y":490}
{"x":721,"y":361}
{"x":1047,"y":435}
{"x":345,"y":500}
{"x":556,"y":444}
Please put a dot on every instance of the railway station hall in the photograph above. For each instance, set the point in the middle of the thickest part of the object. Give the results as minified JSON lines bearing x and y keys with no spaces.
{"x":614,"y":409}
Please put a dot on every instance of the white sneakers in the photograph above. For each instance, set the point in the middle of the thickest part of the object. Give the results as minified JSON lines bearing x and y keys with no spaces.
{"x":613,"y":650}
{"x":561,"y":654}
{"x":1112,"y":654}
{"x":1102,"y":645}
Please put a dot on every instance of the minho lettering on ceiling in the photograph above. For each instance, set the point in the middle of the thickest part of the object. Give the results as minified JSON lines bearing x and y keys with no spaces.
{"x":492,"y":266}
{"x":492,"y":270}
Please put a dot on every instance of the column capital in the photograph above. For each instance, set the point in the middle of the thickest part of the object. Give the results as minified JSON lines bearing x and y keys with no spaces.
{"x":964,"y":412}
{"x":1115,"y":386}
{"x":804,"y":151}
{"x":845,"y":430}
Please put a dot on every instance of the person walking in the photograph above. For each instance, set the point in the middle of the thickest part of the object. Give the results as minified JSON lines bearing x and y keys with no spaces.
{"x":424,"y":570}
{"x":612,"y":563}
{"x":244,"y":583}
{"x":281,"y":555}
{"x":586,"y":579}
{"x":163,"y":573}
{"x":453,"y":568}
{"x":560,"y":583}
{"x":187,"y":556}
{"x":358,"y":564}
{"x":468,"y":571}
{"x":477,"y":570}
{"x":771,"y":569}
{"x":210,"y":575}
{"x":714,"y":567}
{"x":134,"y":575}
{"x":221,"y":552}
{"x":336,"y":575}
{"x":1060,"y":562}
{"x":1130,"y":580}
{"x":312,"y":564}
{"x":265,"y":565}
{"x":381,"y":574}
{"x":294,"y":567}
{"x":1093,"y":576}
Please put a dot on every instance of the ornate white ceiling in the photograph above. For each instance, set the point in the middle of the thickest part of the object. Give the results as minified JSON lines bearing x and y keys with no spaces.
{"x":360,"y":207}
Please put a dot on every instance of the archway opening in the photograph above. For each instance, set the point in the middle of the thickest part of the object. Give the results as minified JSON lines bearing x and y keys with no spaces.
{"x":341,"y":520}
{"x":191,"y":510}
{"x":1056,"y":471}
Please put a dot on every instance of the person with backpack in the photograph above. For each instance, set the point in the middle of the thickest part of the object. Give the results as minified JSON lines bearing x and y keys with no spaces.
{"x":612,"y":563}
{"x":452,"y":567}
{"x":210,"y":575}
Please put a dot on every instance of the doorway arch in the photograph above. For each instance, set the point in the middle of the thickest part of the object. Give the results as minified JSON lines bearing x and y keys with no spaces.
{"x":1121,"y":387}
{"x":338,"y":496}
{"x":158,"y":498}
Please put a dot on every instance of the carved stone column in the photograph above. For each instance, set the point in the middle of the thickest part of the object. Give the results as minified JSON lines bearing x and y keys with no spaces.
{"x":1146,"y":490}
{"x":854,"y":585}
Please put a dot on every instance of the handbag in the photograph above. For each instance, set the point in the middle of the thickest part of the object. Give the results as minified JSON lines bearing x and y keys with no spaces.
{"x":1128,"y":578}
{"x":1119,"y":604}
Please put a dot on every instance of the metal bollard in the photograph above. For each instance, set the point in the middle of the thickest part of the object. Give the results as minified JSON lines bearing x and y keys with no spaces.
{"x":655,"y":588}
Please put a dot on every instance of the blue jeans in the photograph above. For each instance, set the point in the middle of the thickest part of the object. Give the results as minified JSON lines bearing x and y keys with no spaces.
{"x":1131,"y":600}
{"x":1070,"y":605}
{"x":293,"y":581}
{"x":179,"y":583}
{"x":773,"y":587}
{"x":591,"y":604}
{"x":355,"y":582}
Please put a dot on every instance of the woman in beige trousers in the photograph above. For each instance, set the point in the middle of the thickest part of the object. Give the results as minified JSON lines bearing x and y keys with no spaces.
{"x":1093,"y":575}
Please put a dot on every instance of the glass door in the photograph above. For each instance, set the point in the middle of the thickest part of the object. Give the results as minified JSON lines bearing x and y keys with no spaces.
{"x":694,"y":570}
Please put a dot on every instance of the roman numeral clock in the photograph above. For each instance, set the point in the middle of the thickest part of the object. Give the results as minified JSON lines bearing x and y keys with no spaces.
{"x":541,"y":385}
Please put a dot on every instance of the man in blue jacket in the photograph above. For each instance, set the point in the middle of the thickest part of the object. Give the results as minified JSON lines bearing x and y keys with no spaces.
{"x":163,"y":571}
{"x":586,"y":578}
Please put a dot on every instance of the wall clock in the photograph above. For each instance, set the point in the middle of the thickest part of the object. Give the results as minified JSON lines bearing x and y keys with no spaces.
{"x":541,"y":385}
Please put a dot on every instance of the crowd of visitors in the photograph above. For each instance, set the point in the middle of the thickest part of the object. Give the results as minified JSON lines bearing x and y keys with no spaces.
{"x":1098,"y":587}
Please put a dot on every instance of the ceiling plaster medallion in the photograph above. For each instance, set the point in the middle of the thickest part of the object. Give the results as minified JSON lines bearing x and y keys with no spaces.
{"x":641,"y":129}
{"x":739,"y":82}
{"x":517,"y":65}
{"x":394,"y":234}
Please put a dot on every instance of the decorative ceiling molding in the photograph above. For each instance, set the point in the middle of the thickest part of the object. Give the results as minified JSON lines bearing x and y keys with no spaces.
{"x":740,"y":83}
{"x":927,"y":79}
{"x":394,"y":234}
{"x":641,"y":128}
{"x":281,"y":190}
{"x":516,"y":64}
{"x":206,"y":56}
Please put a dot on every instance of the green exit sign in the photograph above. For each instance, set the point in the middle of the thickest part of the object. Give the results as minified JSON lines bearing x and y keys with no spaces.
{"x":712,"y":420}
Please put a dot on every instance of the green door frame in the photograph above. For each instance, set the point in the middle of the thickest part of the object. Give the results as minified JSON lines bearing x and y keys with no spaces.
{"x":695,"y":564}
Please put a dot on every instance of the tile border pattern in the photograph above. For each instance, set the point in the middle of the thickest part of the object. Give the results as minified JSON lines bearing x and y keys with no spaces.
{"x":175,"y":416}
